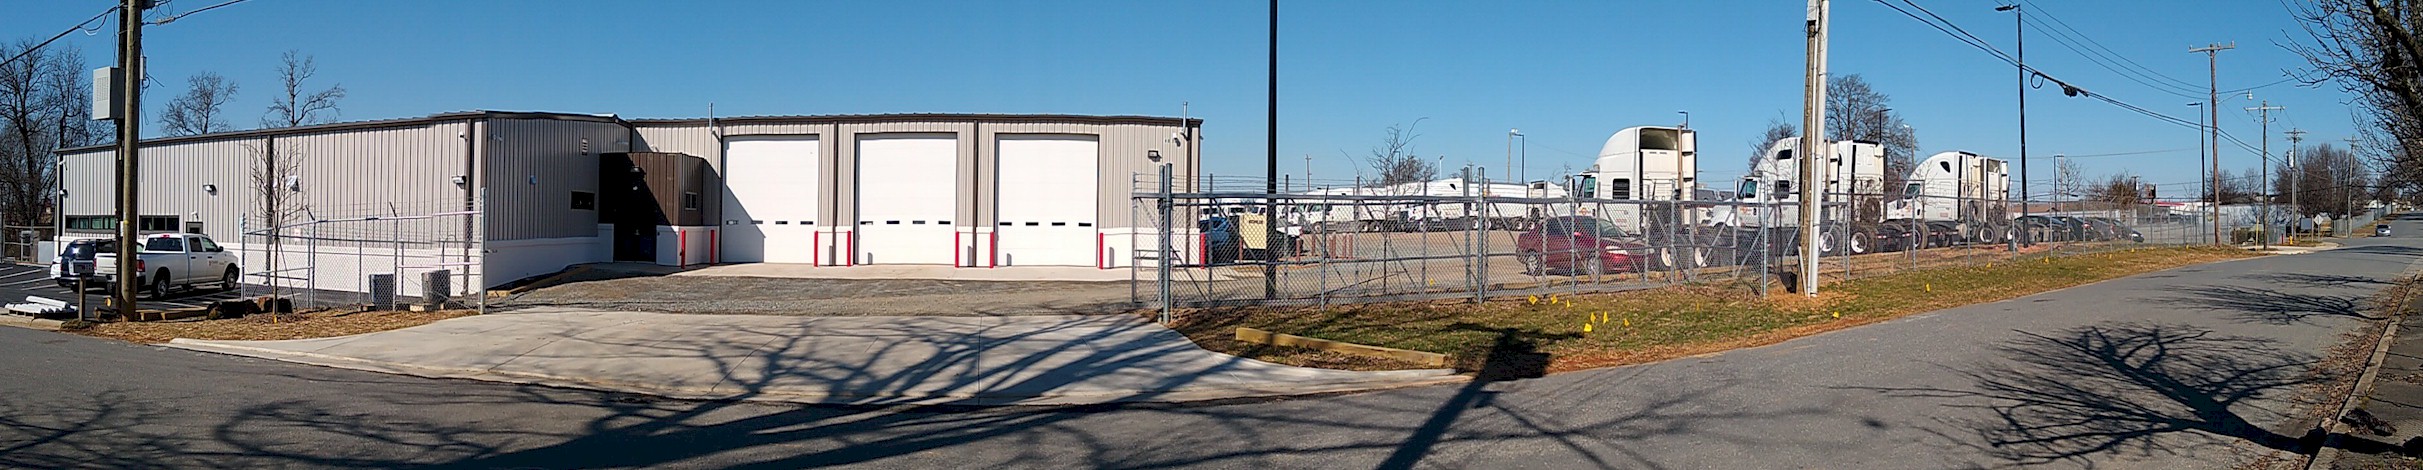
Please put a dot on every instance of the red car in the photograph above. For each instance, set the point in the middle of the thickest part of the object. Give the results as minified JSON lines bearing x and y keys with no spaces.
{"x":1579,"y":245}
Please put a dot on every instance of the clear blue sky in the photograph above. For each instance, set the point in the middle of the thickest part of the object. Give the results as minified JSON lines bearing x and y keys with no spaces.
{"x":1568,"y":73}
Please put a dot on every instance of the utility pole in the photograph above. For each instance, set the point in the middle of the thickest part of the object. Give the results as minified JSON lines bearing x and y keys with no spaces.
{"x":2265,"y":161}
{"x":2212,"y":106}
{"x":129,"y":83}
{"x":1812,"y":145}
{"x":2020,"y":43}
{"x":2348,"y":208}
{"x":2296,"y":172}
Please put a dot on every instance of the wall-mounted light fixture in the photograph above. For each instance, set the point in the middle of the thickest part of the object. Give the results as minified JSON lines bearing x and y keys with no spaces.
{"x":212,"y":189}
{"x":294,"y":183}
{"x":1154,"y":155}
{"x":460,"y":180}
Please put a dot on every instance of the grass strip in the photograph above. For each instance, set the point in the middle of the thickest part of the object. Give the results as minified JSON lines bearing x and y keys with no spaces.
{"x":1563,"y":333}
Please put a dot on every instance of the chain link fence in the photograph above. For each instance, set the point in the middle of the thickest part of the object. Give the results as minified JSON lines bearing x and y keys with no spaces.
{"x":1230,"y":244}
{"x":387,"y":254}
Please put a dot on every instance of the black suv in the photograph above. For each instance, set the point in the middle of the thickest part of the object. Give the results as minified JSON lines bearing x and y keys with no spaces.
{"x":75,"y":262}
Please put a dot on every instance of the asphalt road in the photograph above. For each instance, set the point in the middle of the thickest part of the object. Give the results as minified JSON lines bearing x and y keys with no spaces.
{"x":2189,"y":368}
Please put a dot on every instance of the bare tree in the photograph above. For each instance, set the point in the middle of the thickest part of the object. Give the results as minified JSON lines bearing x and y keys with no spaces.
{"x":2372,"y":50}
{"x":1777,"y":129}
{"x":1395,"y":162}
{"x":294,"y":106}
{"x":43,"y":108}
{"x":277,"y":198}
{"x":2068,"y":180}
{"x":1856,"y":111}
{"x":2326,"y":179}
{"x":2118,"y":188}
{"x":199,"y":110}
{"x":2234,"y":188}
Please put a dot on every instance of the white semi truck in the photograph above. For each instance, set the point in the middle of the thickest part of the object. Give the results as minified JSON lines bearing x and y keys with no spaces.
{"x":1646,"y":163}
{"x":1850,"y":216}
{"x":1960,"y":197}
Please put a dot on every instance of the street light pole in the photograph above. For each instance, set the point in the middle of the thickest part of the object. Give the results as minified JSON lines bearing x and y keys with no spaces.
{"x":2200,"y":174}
{"x":2019,"y":32}
{"x":1510,"y":135}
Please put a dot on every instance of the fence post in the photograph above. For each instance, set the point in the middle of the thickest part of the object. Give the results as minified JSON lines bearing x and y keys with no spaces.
{"x":1480,"y":238}
{"x":1164,"y":255}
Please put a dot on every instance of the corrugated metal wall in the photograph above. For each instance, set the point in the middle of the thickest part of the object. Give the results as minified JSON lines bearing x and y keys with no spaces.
{"x":341,"y":174}
{"x":534,"y":165}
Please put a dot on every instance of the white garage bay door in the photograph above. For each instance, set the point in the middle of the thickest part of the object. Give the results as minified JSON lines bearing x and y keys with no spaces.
{"x":1048,"y":185}
{"x":907,"y":195}
{"x":769,"y":212}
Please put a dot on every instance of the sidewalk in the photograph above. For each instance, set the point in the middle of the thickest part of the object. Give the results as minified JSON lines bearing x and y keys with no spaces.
{"x":1028,"y":360}
{"x":2396,"y":398}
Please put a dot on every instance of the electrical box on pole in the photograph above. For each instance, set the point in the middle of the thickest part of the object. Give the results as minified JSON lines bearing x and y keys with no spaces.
{"x":105,"y":93}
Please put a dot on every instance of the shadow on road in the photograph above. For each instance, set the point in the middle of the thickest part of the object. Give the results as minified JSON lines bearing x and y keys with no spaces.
{"x":2260,"y":305}
{"x":2130,"y":387}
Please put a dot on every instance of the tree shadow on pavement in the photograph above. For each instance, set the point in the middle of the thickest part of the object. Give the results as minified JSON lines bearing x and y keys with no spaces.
{"x":385,"y":421}
{"x":2136,"y":388}
{"x":2318,"y":280}
{"x":2260,"y":305}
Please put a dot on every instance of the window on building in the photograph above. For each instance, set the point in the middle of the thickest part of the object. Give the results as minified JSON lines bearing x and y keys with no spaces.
{"x":157,"y":223}
{"x":92,"y":222}
{"x":690,"y":201}
{"x":584,"y":200}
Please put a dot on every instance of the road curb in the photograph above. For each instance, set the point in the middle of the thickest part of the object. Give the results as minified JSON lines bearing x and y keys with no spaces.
{"x":719,"y":390}
{"x":2331,"y":426}
{"x":29,"y":322}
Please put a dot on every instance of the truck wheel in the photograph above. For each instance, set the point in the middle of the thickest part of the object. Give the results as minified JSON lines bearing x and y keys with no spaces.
{"x":159,"y":285}
{"x":227,"y":281}
{"x":1859,"y":241}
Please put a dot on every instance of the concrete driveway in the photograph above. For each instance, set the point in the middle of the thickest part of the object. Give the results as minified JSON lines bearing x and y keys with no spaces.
{"x":843,"y":360}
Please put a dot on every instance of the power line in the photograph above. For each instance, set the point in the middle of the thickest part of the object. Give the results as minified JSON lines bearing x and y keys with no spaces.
{"x":2108,"y":63}
{"x":1972,"y":40}
{"x":30,"y":50}
{"x":2150,"y":71}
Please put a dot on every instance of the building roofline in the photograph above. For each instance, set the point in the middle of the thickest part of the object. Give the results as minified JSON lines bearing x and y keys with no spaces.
{"x":355,"y":125}
{"x":978,"y":117}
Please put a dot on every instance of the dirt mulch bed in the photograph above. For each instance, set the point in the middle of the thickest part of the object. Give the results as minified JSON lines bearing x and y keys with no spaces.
{"x":263,"y":327}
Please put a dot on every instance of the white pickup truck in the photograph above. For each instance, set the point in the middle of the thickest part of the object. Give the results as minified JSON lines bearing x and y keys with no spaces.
{"x":174,"y":261}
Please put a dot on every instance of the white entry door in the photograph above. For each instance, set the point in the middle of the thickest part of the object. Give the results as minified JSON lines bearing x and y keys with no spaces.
{"x":769,"y":211}
{"x":908,"y":192}
{"x":1048,"y":200}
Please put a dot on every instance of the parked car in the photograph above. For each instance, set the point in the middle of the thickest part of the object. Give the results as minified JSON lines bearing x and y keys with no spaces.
{"x":170,"y":262}
{"x":1580,"y":245}
{"x":75,"y":261}
{"x":2114,"y":230}
{"x":2043,"y":229}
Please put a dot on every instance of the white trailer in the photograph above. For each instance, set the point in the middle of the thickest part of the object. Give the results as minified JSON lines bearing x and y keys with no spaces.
{"x":1962,"y":193}
{"x":1438,"y":206}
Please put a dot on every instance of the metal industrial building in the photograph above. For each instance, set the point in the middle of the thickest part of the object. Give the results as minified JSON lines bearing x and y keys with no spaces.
{"x":498,"y":196}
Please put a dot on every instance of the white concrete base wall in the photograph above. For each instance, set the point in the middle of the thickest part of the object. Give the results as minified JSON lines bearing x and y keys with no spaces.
{"x":511,"y":260}
{"x":683,"y":245}
{"x":346,"y":269}
{"x":1119,"y":246}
